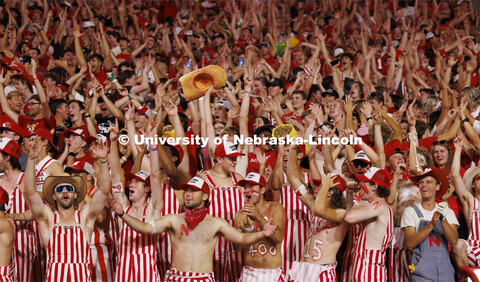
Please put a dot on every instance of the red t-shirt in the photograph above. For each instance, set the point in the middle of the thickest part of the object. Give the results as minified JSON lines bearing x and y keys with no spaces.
{"x":254,"y":166}
{"x":32,"y":124}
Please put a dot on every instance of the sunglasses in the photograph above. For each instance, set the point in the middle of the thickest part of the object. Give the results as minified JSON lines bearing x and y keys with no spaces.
{"x":360,"y":163}
{"x":61,"y":188}
{"x":441,"y":142}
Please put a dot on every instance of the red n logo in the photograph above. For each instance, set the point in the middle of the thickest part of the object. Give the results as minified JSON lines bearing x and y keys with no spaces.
{"x":430,"y":240}
{"x":184,"y":229}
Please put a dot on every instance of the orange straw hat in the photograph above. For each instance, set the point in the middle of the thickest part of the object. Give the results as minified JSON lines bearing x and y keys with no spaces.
{"x":196,"y":83}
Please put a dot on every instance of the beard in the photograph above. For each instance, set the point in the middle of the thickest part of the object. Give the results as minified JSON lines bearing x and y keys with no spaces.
{"x":65,"y":205}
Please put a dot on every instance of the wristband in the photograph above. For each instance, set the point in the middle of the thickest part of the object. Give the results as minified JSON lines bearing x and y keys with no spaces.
{"x":301,"y":191}
{"x":153,"y":148}
{"x":120,"y":215}
{"x":465,"y":120}
{"x":87,"y":115}
{"x":154,"y":228}
{"x":155,"y":113}
{"x":369,"y":118}
{"x":72,"y":154}
{"x":322,"y":125}
{"x":104,"y":161}
{"x":117,"y":188}
{"x":124,"y":158}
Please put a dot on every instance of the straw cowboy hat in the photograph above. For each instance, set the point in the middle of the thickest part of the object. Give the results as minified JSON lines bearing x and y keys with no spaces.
{"x":469,"y":175}
{"x":52,"y":181}
{"x":196,"y":83}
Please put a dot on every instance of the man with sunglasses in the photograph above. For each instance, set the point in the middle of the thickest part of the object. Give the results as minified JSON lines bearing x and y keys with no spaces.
{"x":102,"y":244}
{"x":66,"y":230}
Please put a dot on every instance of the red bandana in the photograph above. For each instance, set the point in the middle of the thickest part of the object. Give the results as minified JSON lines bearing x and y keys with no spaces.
{"x":195,"y":216}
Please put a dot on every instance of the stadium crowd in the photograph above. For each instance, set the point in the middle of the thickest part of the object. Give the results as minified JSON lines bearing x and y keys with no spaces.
{"x":79,"y":78}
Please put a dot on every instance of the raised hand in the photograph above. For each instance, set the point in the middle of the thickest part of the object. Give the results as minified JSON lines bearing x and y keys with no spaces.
{"x":260,"y":156}
{"x":100,"y":150}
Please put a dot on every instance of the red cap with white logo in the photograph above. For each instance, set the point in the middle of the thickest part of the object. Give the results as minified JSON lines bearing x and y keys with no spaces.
{"x":196,"y":183}
{"x":253,"y":178}
{"x":227,"y":149}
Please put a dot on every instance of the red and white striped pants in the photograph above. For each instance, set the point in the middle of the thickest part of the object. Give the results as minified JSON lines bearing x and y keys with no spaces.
{"x":399,"y":265}
{"x":304,"y":271}
{"x":7,"y":273}
{"x":473,"y":252}
{"x":400,"y":257}
{"x":369,"y":265}
{"x":250,"y":274}
{"x":181,"y":276}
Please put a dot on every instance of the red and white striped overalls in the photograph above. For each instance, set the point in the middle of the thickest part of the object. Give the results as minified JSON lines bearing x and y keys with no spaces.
{"x":137,"y":256}
{"x":369,"y":265}
{"x":41,"y":255}
{"x":296,"y":226}
{"x":68,"y":253}
{"x":7,"y":273}
{"x":225,"y":202}
{"x":25,"y":241}
{"x":164,"y":249}
{"x":473,"y":242}
{"x":101,"y":248}
{"x":399,"y":258}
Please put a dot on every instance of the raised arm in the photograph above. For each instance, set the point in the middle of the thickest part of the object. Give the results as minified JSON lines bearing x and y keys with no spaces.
{"x":161,"y":225}
{"x":35,"y":203}
{"x":155,"y":181}
{"x":4,"y":104}
{"x":466,"y":198}
{"x":99,"y":199}
{"x":322,"y":209}
{"x":293,"y":173}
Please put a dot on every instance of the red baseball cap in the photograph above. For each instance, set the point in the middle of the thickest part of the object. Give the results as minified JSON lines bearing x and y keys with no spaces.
{"x":253,"y":178}
{"x":80,"y":166}
{"x":100,"y":137}
{"x":336,"y":178}
{"x":7,"y":123}
{"x":144,"y":111}
{"x":375,"y":175}
{"x":196,"y":183}
{"x":45,"y":134}
{"x":79,"y":132}
{"x":10,"y":147}
{"x":142,"y":175}
{"x":227,"y":149}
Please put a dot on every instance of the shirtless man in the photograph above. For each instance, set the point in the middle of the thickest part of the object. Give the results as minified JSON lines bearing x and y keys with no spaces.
{"x":467,"y":252}
{"x":193,"y":230}
{"x":7,"y":231}
{"x":376,"y":230}
{"x":68,"y":228}
{"x":327,"y":226}
{"x":263,"y":262}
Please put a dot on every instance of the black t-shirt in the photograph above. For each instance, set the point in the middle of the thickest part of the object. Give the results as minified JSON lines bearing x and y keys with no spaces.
{"x":104,"y":123}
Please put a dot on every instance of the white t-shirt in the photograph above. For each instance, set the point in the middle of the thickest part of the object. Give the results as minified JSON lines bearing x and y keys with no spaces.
{"x":410,"y":217}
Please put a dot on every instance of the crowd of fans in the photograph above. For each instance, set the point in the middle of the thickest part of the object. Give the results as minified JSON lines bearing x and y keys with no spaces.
{"x":78,"y":77}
